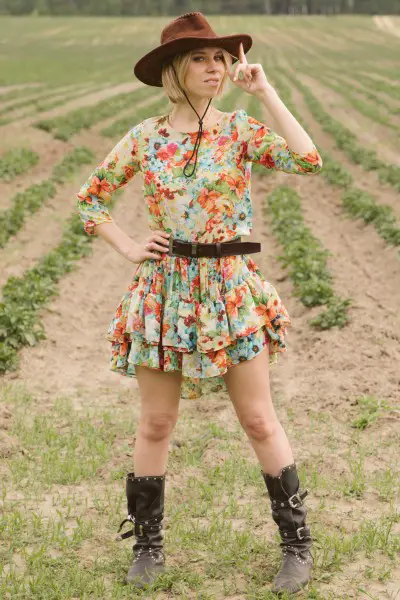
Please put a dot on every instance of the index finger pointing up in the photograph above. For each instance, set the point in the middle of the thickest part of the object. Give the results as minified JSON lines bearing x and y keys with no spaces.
{"x":242,"y":56}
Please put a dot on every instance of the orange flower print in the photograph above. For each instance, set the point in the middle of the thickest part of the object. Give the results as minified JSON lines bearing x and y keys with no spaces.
{"x":100,"y":187}
{"x":249,"y":330}
{"x":207,"y":199}
{"x":236,"y":184}
{"x":219,"y":358}
{"x":152,"y":307}
{"x":153,"y":205}
{"x":136,"y":323}
{"x":129,"y":172}
{"x":235,"y":301}
{"x":213,"y":223}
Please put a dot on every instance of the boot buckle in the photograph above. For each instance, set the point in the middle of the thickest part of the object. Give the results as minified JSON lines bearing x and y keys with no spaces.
{"x":298,"y":498}
{"x":300,"y":537}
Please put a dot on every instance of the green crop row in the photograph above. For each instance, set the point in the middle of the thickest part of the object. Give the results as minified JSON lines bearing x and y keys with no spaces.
{"x":360,"y":204}
{"x":24,"y":297}
{"x":346,"y":140}
{"x":305,"y":258}
{"x":41,"y":105}
{"x":120,"y":127}
{"x":42,"y":96}
{"x":22,"y":92}
{"x":357,"y":203}
{"x":64,"y":127}
{"x":337,"y":74}
{"x":364,"y":108}
{"x":379,"y":85}
{"x":17,"y":161}
{"x":30,"y":200}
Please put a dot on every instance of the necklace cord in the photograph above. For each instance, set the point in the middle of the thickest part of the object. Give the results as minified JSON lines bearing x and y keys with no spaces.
{"x":199,"y":134}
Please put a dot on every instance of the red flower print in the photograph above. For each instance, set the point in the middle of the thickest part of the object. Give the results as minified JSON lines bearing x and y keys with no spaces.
{"x":267,"y":160}
{"x":163,"y":132}
{"x":172,"y":147}
{"x":148,"y":177}
{"x":167,"y":151}
{"x":222,"y":140}
{"x":135,"y":147}
{"x":189,"y":320}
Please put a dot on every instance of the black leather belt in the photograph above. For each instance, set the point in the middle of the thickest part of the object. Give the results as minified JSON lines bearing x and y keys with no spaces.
{"x":218,"y":249}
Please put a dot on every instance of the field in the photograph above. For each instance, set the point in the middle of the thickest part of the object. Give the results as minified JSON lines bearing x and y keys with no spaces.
{"x":331,"y":248}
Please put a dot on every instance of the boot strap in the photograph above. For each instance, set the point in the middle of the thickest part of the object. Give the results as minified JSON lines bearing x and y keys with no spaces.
{"x":298,"y":534}
{"x":293,"y":502}
{"x":140,"y":528}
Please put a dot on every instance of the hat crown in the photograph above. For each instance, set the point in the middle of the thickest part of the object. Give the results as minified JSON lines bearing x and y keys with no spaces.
{"x":192,"y":24}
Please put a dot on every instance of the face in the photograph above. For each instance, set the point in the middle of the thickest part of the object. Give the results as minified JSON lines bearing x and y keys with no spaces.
{"x":205,"y":72}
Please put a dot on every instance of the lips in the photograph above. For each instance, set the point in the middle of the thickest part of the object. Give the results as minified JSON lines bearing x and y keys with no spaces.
{"x":214,"y":79}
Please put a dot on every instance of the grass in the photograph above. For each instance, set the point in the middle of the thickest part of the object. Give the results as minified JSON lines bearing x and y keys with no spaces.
{"x":62,"y":498}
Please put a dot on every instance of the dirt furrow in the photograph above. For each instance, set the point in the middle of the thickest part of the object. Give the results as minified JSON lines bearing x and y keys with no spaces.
{"x":50,"y":151}
{"x":365,"y":180}
{"x":369,"y":133}
{"x":74,"y":358}
{"x":81,"y":102}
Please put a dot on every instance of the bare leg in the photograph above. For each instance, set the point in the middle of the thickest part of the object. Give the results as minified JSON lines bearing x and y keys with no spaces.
{"x":160,"y":395}
{"x":249,"y":389}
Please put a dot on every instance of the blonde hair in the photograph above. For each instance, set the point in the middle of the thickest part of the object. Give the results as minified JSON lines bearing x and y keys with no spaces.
{"x":173,"y":84}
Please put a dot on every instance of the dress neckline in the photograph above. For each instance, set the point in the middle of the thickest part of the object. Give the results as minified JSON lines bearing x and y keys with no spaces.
{"x":216,"y":126}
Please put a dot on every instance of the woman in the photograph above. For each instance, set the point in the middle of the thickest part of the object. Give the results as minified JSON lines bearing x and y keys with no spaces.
{"x":198,"y":315}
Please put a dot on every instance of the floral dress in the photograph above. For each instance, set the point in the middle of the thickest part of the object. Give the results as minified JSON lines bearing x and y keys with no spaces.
{"x":199,"y":315}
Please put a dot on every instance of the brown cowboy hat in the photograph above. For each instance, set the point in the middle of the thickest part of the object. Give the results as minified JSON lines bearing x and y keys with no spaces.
{"x":186,"y":32}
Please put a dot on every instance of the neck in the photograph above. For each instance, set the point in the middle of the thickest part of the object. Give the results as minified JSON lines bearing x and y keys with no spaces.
{"x":184,"y":113}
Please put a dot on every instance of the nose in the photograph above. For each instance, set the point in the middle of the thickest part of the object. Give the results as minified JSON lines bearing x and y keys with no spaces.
{"x":212,"y":64}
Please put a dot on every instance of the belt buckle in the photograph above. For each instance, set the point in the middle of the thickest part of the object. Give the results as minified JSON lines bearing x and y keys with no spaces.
{"x":193,"y":249}
{"x":300,"y":537}
{"x":293,"y":504}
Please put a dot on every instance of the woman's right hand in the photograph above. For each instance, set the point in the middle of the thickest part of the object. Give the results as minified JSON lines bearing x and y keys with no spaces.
{"x":151,"y":248}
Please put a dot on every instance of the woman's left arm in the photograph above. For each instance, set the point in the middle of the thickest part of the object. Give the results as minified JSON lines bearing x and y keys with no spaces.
{"x":293,"y":151}
{"x":297,"y":138}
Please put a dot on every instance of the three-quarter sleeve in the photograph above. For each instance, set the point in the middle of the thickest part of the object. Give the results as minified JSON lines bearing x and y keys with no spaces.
{"x":266,"y":147}
{"x":119,"y":166}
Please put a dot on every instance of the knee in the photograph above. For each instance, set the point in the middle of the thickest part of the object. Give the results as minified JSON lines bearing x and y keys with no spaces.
{"x":260,"y":428}
{"x":157,"y":427}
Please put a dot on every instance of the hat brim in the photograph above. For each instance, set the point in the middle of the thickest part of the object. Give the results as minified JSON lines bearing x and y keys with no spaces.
{"x":149,"y":68}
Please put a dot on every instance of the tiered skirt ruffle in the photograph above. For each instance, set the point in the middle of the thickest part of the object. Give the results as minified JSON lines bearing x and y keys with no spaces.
{"x":199,"y":316}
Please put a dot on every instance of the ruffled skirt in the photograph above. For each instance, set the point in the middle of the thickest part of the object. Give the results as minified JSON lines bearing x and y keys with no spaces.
{"x":199,"y":316}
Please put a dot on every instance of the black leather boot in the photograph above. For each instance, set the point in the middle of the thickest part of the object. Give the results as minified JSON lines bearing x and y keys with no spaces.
{"x":145,"y":498}
{"x":289,"y":513}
